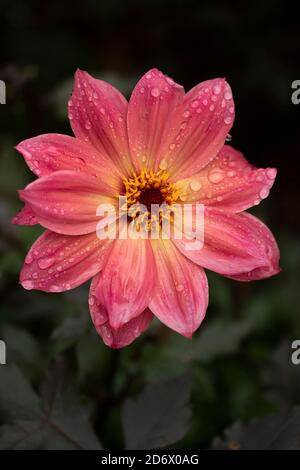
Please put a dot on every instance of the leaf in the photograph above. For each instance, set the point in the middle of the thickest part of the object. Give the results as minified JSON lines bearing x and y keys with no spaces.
{"x":159,"y":416}
{"x":220,"y":338}
{"x":280,"y":431}
{"x":64,"y":412}
{"x":281,"y":377}
{"x":169,"y":360}
{"x":57,"y":421}
{"x":17,"y":399}
{"x":23,"y":349}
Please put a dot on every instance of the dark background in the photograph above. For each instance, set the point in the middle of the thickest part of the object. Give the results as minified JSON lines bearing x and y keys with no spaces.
{"x":61,"y":387}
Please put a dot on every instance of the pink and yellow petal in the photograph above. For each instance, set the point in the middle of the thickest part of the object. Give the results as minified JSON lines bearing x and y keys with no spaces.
{"x":152,"y":115}
{"x":66,"y":202}
{"x":203,"y":122}
{"x":271,"y":266}
{"x":25,"y":217}
{"x":233,"y":243}
{"x":228,"y":182}
{"x":47,"y":153}
{"x":181,"y":297}
{"x":115,"y":337}
{"x":97,"y":113}
{"x":127,"y":280}
{"x":56,"y":263}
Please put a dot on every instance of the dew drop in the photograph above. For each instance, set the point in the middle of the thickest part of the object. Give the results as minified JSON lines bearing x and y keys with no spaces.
{"x":28,"y":285}
{"x":195,"y":185}
{"x":179,"y":287}
{"x":216,"y":176}
{"x":227,"y":95}
{"x":87,"y":125}
{"x":163,"y":164}
{"x":195,"y":104}
{"x":29,"y":258}
{"x":264,"y":193}
{"x":155,"y":92}
{"x":45,"y":263}
{"x":271,"y":173}
{"x":228,"y":120}
{"x":54,"y":288}
{"x":217,"y":89}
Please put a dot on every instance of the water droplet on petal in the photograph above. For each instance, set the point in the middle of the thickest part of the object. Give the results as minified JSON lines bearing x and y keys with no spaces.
{"x":217,"y":89}
{"x":45,"y":263}
{"x":155,"y":92}
{"x":29,"y":258}
{"x":195,"y":185}
{"x":228,"y":95}
{"x":216,"y":175}
{"x":271,"y":173}
{"x":179,"y":287}
{"x":54,"y":288}
{"x":264,"y":193}
{"x":228,"y":120}
{"x":27,"y":284}
{"x":195,"y":104}
{"x":163,"y":164}
{"x":87,"y":125}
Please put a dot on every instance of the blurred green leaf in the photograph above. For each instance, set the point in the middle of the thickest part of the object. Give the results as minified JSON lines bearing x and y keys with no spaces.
{"x":159,"y":416}
{"x":279,"y":431}
{"x":58,"y":421}
{"x":220,"y":338}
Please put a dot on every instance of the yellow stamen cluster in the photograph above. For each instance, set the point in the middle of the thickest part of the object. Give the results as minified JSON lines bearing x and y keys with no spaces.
{"x":150,"y":187}
{"x":149,"y":179}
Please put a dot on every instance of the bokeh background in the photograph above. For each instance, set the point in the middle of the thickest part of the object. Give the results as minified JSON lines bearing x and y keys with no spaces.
{"x":61,"y":387}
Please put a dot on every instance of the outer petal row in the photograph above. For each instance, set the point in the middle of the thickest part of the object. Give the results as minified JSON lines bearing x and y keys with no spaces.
{"x":181,"y":297}
{"x":66,"y":201}
{"x":97,"y":112}
{"x":233,"y":244}
{"x":47,"y":153}
{"x":115,"y":337}
{"x":176,"y":132}
{"x":228,"y":182}
{"x":56,"y":263}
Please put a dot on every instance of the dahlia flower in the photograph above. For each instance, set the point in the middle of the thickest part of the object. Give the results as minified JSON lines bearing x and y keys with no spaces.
{"x":163,"y":146}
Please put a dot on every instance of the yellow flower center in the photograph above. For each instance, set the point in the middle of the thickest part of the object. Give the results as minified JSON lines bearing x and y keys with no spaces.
{"x":147,"y":188}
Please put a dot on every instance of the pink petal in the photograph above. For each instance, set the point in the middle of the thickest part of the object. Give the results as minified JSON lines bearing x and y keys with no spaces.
{"x":181,"y":296}
{"x":126,"y":281}
{"x":151,"y":116}
{"x":56,"y":263}
{"x":25,"y":217}
{"x":66,"y":201}
{"x":47,"y":153}
{"x":97,"y":112}
{"x":205,"y":119}
{"x":233,"y":243}
{"x":272,"y":252}
{"x":228,"y":182}
{"x":122,"y":336}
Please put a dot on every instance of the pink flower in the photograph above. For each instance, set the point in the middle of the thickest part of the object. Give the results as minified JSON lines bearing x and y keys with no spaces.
{"x":163,"y":144}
